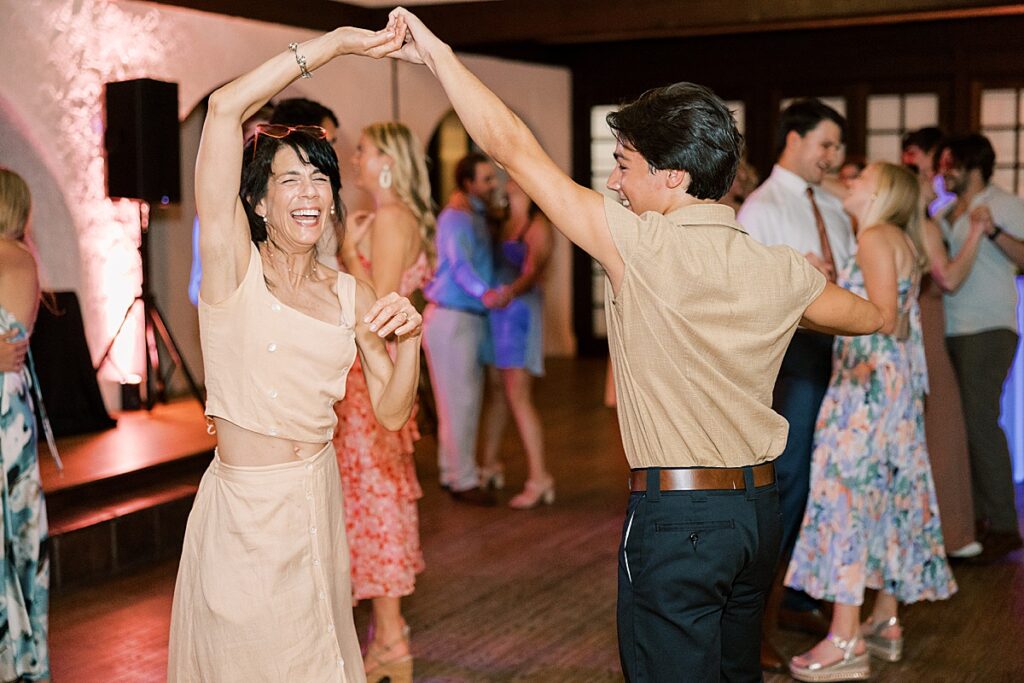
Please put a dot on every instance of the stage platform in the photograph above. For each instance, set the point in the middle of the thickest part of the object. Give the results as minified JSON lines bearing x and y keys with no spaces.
{"x":125,"y":493}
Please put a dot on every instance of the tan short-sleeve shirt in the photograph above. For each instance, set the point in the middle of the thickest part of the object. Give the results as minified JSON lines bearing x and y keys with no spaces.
{"x":697,"y":333}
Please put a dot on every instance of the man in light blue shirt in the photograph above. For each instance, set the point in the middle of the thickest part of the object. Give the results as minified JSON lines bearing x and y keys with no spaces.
{"x":981,"y":328}
{"x":455,"y":330}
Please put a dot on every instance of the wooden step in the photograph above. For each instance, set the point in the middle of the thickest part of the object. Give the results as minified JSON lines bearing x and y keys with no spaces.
{"x":93,"y":540}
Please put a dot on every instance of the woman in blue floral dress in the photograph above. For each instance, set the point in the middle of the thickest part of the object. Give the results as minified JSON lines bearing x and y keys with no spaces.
{"x":872,"y":520}
{"x":25,"y":578}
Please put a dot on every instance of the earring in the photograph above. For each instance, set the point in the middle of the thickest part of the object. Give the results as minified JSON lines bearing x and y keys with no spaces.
{"x":384,"y":179}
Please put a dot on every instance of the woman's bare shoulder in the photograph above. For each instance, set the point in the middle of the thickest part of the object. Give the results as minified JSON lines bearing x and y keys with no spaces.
{"x":15,"y":256}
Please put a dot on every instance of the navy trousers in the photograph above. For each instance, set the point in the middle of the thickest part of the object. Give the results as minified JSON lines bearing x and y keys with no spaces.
{"x":799,"y":391}
{"x":694,"y":570}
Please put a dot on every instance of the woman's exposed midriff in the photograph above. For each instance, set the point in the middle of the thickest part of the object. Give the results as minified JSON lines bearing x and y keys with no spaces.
{"x":246,"y":448}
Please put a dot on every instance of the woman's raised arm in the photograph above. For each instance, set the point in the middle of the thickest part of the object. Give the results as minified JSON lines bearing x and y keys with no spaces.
{"x":224,"y":228}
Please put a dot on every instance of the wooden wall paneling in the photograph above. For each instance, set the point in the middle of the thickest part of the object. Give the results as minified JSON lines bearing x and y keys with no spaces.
{"x":952,"y":58}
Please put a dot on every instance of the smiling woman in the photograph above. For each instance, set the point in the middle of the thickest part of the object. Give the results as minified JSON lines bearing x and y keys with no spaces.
{"x":263,"y":590}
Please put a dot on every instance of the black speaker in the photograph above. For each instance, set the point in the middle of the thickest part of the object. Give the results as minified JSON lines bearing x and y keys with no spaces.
{"x":142,"y":141}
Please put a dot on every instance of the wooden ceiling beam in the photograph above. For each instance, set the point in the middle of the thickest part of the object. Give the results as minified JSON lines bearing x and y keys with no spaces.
{"x":321,"y":15}
{"x":566,"y":22}
{"x":561,"y":22}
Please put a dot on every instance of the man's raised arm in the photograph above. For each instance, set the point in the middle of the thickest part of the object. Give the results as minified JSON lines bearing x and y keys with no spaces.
{"x":576,"y":211}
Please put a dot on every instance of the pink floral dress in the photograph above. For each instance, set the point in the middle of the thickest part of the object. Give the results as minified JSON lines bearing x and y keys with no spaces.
{"x":379,"y":484}
{"x":872,"y":519}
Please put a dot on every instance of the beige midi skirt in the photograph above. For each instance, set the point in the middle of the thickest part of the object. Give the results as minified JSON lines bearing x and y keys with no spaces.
{"x":264,"y":591}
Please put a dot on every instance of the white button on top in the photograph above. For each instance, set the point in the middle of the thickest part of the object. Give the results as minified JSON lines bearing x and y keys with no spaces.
{"x":330,"y":628}
{"x":341,"y":663}
{"x":275,"y":306}
{"x":271,"y":347}
{"x":273,"y":431}
{"x":312,"y":530}
{"x":272,"y":393}
{"x":309,"y":465}
{"x":316,"y":562}
{"x":322,"y":596}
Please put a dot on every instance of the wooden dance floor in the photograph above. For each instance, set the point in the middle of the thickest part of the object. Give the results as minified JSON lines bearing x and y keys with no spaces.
{"x":516,"y":597}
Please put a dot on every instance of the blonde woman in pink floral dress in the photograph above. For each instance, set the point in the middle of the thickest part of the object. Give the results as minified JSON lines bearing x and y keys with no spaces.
{"x":389,"y":248}
{"x":872,"y":520}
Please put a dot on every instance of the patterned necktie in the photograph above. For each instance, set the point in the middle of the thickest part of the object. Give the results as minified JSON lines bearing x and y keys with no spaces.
{"x":826,"y":248}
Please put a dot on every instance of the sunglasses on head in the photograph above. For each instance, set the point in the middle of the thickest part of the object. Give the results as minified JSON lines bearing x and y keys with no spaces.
{"x":279,"y":131}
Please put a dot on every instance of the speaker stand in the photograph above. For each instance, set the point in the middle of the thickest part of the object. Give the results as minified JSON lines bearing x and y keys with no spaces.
{"x":156,"y":375}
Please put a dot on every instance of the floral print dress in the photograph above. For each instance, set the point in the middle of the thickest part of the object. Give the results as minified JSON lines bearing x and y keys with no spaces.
{"x":872,"y":519}
{"x":24,"y":560}
{"x":378,"y":481}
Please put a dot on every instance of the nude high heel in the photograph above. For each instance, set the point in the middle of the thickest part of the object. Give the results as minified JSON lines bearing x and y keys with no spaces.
{"x":534,"y":493}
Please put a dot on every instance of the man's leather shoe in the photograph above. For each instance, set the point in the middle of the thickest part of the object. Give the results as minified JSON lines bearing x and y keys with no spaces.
{"x":813,"y":621}
{"x":771,"y":660}
{"x":474,"y":496}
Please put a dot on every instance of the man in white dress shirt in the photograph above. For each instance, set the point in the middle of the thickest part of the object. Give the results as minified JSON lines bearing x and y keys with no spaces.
{"x":790,"y":208}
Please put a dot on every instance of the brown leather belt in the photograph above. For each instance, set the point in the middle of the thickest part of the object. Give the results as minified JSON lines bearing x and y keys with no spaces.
{"x":704,"y":478}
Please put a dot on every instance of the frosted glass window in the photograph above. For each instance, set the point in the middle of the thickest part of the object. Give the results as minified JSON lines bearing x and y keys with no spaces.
{"x":597,"y":123}
{"x":884,"y":111}
{"x":1003,"y":177}
{"x":602,"y":154}
{"x":999,"y":108}
{"x":739,"y":113}
{"x":920,"y":111}
{"x":890,"y":116}
{"x":1002,"y":122}
{"x":883,"y":147}
{"x":1004,"y":142}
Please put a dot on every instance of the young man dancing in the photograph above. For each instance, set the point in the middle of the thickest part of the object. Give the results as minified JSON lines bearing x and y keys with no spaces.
{"x":699,"y":320}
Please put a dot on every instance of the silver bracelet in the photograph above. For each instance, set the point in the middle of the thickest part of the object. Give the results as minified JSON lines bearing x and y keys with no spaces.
{"x":300,"y":60}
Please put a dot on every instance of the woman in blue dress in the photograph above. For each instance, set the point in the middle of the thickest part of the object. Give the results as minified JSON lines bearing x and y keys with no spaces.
{"x":516,"y":318}
{"x":24,"y":593}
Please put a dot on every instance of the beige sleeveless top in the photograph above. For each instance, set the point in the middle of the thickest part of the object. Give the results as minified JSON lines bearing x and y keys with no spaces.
{"x":270,"y":368}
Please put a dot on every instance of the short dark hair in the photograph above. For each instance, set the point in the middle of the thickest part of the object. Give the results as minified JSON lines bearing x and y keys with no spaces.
{"x":973,"y":151}
{"x":804,"y":115}
{"x":298,"y":111}
{"x":683,"y":127}
{"x":259,"y":157}
{"x":465,"y":170}
{"x":925,"y":139}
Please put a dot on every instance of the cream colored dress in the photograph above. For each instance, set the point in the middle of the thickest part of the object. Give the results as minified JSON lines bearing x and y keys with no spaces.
{"x":263,"y":590}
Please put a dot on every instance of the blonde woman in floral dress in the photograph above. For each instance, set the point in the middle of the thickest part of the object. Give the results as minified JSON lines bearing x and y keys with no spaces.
{"x":389,"y":248}
{"x":872,"y":520}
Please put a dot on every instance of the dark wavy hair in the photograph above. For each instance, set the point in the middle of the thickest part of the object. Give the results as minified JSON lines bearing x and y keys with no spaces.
{"x":256,"y":171}
{"x":973,"y":151}
{"x":465,"y":170}
{"x":803,"y":116}
{"x":683,"y":127}
{"x":298,"y":111}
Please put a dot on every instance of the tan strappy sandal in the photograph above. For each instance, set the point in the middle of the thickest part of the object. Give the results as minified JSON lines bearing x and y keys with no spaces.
{"x":382,"y":669}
